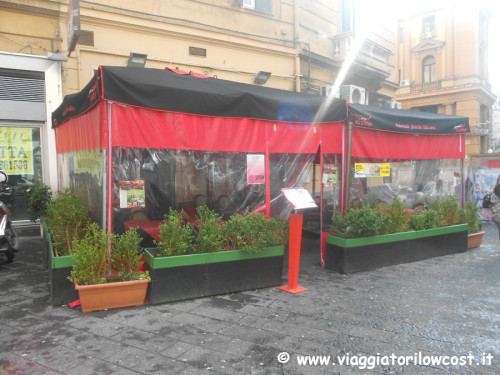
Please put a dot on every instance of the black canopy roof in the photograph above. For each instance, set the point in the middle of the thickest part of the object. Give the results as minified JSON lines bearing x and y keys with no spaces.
{"x":167,"y":90}
{"x":403,"y":121}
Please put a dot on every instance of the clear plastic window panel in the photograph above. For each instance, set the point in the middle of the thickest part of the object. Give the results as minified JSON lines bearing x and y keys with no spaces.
{"x":482,"y":175}
{"x":331,"y":178}
{"x":288,"y":171}
{"x":84,"y":172}
{"x":148,"y":182}
{"x":415,"y":183}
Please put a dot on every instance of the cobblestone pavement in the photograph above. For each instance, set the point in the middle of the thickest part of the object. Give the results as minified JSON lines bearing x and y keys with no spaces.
{"x":447,"y":306}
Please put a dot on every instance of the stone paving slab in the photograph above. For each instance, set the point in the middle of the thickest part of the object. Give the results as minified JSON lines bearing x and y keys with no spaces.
{"x":447,"y":306}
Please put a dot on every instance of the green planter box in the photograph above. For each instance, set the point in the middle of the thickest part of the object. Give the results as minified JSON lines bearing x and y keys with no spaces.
{"x":362,"y":254}
{"x":62,"y":291}
{"x":185,"y":277}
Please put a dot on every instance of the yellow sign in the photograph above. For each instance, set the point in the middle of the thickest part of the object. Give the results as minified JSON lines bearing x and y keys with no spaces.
{"x":372,"y":170}
{"x":16,"y":152}
{"x":88,"y":161}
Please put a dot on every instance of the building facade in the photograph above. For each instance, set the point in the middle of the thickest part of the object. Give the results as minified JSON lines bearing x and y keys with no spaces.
{"x":442,"y":66}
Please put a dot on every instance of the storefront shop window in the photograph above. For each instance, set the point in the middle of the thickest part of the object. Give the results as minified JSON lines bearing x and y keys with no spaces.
{"x":21,"y":159}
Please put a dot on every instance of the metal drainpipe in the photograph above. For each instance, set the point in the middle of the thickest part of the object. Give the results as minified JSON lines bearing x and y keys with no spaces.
{"x":296,"y":41}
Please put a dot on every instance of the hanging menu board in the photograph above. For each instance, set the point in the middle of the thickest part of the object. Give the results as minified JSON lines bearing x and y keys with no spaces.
{"x":362,"y":170}
{"x":299,"y":199}
{"x":255,"y":169}
{"x":132,"y":194}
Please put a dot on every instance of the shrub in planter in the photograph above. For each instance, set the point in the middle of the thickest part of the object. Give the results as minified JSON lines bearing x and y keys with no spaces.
{"x":176,"y":235}
{"x":252,"y":233}
{"x":105,"y":270}
{"x":450,"y":211}
{"x":281,"y":230}
{"x":470,"y":216}
{"x":356,"y":223}
{"x":90,"y":257}
{"x":124,"y":256}
{"x":355,"y":245}
{"x":399,"y":217}
{"x":67,"y":220}
{"x":425,"y":219}
{"x":249,"y":233}
{"x":210,"y":236}
{"x":223,"y":257}
{"x":39,"y":198}
{"x":94,"y":262}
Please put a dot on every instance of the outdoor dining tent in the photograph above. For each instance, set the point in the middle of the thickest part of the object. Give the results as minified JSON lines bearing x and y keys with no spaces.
{"x":136,"y":142}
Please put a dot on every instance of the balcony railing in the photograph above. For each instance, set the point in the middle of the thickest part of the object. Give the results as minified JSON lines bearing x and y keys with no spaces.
{"x":428,"y":86}
{"x":372,"y":55}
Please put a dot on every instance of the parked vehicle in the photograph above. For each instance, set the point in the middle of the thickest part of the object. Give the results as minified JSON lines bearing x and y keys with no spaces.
{"x":9,"y":239}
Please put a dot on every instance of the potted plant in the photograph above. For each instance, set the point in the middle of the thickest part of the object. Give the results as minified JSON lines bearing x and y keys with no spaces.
{"x":214,"y":257}
{"x":370,"y":238}
{"x":470,"y":216}
{"x":105,"y":270}
{"x":38,"y":199}
{"x":66,"y":219}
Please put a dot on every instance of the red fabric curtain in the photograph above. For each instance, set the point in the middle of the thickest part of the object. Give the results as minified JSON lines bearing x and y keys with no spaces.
{"x":331,"y":138}
{"x":138,"y":127}
{"x":85,"y":132}
{"x":382,"y":145}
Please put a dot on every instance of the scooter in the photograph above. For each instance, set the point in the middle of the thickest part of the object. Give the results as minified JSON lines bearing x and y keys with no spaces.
{"x":9,"y":239}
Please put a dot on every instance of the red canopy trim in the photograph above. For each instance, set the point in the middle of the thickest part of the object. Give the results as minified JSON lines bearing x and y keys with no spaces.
{"x":190,"y":73}
{"x":83,"y":133}
{"x":139,"y":127}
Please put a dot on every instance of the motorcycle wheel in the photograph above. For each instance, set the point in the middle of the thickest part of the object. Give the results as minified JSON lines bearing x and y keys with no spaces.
{"x":13,"y":239}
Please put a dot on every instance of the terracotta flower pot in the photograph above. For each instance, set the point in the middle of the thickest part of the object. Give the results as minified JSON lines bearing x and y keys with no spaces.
{"x":112,"y":295}
{"x":475,"y":239}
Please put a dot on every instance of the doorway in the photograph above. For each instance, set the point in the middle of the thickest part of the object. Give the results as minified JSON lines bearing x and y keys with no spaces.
{"x":21,"y":160}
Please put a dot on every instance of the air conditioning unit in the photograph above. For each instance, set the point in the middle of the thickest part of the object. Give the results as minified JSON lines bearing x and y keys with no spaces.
{"x":396,"y":105}
{"x":427,"y":35}
{"x":327,"y":91}
{"x":353,"y":94}
{"x":404,"y":82}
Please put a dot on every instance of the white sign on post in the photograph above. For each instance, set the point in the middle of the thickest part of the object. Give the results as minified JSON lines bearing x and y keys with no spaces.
{"x":299,"y":198}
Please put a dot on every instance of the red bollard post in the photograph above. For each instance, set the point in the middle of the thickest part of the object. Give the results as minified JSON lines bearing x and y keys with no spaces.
{"x":294,"y":239}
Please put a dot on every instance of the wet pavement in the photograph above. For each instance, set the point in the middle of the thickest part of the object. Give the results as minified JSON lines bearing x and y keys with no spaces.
{"x":438,"y":316}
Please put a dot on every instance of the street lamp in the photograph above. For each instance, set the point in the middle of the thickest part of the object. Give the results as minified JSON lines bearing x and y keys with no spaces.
{"x":261,"y":77}
{"x":137,"y":60}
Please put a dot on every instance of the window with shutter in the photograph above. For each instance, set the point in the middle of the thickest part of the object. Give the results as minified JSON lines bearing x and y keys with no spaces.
{"x":22,"y":98}
{"x":22,"y":89}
